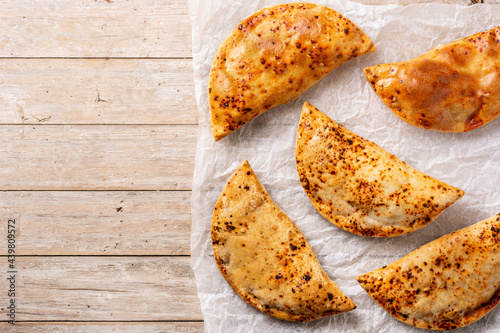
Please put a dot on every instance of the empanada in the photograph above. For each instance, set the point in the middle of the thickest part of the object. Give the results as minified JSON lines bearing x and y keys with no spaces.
{"x":448,"y":283}
{"x":264,"y":256}
{"x":275,"y":55}
{"x":360,"y":187}
{"x":452,"y":88}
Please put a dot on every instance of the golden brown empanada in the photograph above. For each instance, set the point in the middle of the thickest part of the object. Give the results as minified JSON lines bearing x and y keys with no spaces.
{"x":274,"y":56}
{"x":448,"y":283}
{"x":452,"y":88}
{"x":265,"y":257}
{"x":360,"y":187}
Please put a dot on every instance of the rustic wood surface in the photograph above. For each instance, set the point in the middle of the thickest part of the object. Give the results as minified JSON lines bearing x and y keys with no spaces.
{"x":98,"y":124}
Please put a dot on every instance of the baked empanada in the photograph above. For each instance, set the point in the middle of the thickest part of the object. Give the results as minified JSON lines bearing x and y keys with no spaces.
{"x":264,"y":256}
{"x":452,"y":88}
{"x":448,"y":283}
{"x":274,"y":56}
{"x":360,"y":187}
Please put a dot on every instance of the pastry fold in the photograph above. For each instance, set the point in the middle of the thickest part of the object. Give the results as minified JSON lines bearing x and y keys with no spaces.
{"x":360,"y":187}
{"x":448,"y":283}
{"x":274,"y":56}
{"x":265,"y":258}
{"x":452,"y":88}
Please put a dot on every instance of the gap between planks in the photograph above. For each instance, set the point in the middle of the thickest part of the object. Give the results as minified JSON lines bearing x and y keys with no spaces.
{"x":104,"y":327}
{"x":97,"y":58}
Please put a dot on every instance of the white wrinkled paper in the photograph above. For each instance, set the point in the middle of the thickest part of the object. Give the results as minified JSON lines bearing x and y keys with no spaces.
{"x":470,"y":161}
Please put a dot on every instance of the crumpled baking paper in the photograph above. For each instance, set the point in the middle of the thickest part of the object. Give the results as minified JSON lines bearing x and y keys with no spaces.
{"x":470,"y":161}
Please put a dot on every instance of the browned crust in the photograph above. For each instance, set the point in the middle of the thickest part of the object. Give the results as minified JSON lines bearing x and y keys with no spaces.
{"x":462,"y":268}
{"x":265,"y":258}
{"x":452,"y":88}
{"x":360,"y":187}
{"x":275,"y":55}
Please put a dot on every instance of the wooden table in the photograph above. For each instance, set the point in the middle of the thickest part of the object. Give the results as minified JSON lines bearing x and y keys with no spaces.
{"x":98,"y":125}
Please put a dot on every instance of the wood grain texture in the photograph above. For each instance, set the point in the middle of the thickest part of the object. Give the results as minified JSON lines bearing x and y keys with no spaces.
{"x":103,"y":327}
{"x":89,"y":28}
{"x":97,"y":223}
{"x":103,"y":289}
{"x":50,"y":157}
{"x":97,"y":91}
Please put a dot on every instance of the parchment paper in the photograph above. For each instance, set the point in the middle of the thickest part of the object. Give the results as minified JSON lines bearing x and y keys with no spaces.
{"x":470,"y":161}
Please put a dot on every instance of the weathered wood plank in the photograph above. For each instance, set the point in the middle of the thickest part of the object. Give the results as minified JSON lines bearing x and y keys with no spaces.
{"x":97,"y":223}
{"x":89,"y":28}
{"x":51,"y":157}
{"x":90,"y":91}
{"x":109,"y":327}
{"x":102,"y":289}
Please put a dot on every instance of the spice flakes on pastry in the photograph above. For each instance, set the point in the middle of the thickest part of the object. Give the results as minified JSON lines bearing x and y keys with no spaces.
{"x":360,"y":187}
{"x":446,"y":284}
{"x":265,"y":258}
{"x":274,"y":56}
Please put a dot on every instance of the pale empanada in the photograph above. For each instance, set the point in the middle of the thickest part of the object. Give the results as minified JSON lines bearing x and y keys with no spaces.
{"x":360,"y":187}
{"x":274,"y":56}
{"x":452,"y":88}
{"x":265,"y":257}
{"x":448,"y":283}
